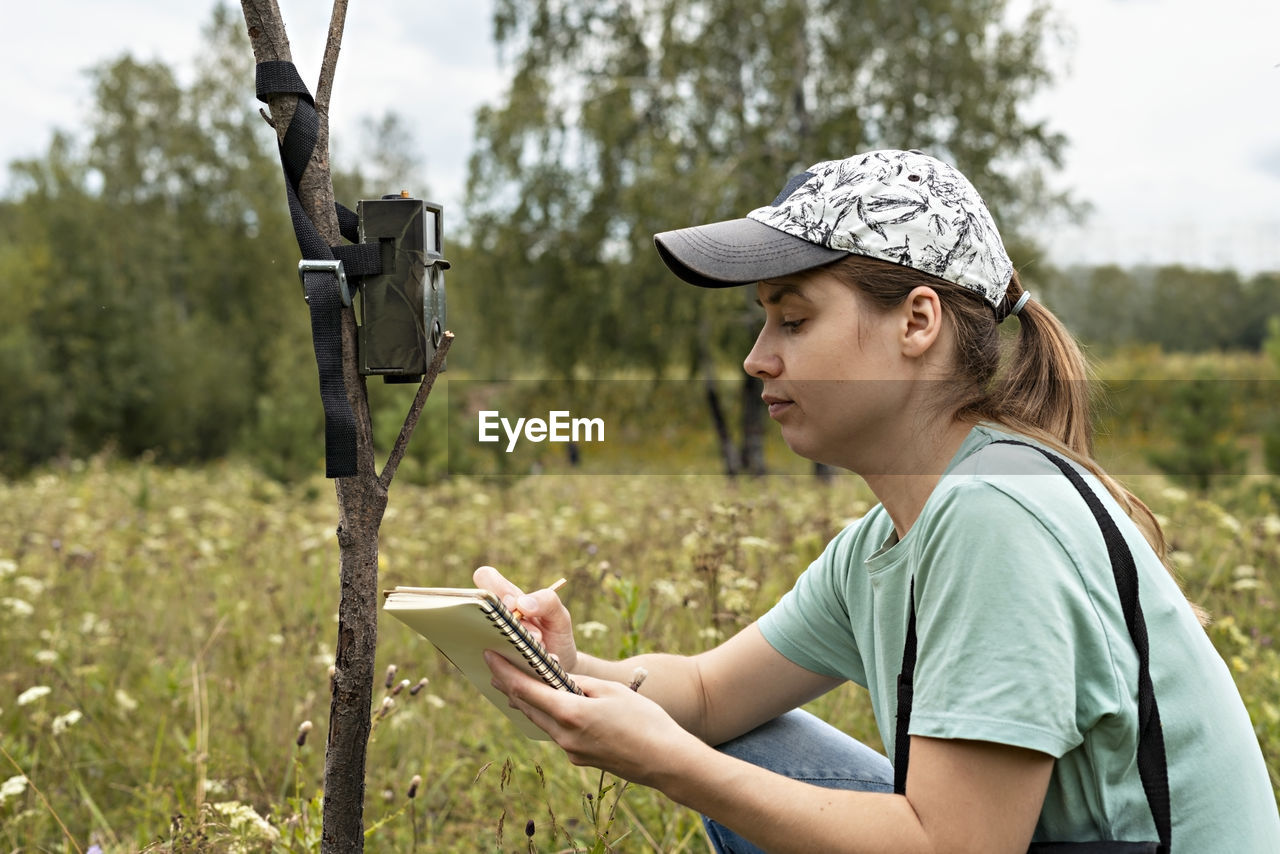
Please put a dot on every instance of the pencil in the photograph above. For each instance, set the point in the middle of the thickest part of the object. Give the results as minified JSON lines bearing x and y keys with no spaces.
{"x":555,"y":585}
{"x":637,"y":678}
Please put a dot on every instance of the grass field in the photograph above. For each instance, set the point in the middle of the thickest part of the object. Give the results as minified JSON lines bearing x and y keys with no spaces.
{"x":166,"y":632}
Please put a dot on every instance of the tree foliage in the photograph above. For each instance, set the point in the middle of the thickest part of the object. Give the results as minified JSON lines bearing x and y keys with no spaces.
{"x":150,"y":269}
{"x":623,"y":119}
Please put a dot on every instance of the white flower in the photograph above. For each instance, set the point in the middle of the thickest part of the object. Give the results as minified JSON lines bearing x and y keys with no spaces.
{"x":242,"y":817}
{"x":46,"y":656}
{"x":1231,"y":523}
{"x":591,"y":628}
{"x":64,"y":722}
{"x":19,"y":607}
{"x":124,"y":701}
{"x":9,"y":567}
{"x":33,"y":587}
{"x":1174,"y":494}
{"x":12,"y":787}
{"x":1271,"y":525}
{"x":32,"y":694}
{"x":435,"y":701}
{"x":214,"y":788}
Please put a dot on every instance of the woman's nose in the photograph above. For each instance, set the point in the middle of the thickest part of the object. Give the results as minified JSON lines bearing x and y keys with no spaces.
{"x":761,"y":361}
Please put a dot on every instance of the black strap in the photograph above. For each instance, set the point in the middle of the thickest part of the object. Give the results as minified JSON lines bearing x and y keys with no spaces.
{"x":321,"y":287}
{"x":1152,"y":761}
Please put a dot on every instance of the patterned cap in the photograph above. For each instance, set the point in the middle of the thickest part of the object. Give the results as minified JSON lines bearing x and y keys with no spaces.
{"x":899,"y":206}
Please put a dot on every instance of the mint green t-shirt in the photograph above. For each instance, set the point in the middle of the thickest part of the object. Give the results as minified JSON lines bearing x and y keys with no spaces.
{"x":1022,"y":641}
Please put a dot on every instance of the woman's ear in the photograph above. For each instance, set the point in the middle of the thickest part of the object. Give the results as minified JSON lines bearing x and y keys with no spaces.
{"x":922,"y":321}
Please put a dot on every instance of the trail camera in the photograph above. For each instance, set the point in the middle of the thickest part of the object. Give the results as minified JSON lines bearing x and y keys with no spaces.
{"x":401,"y":311}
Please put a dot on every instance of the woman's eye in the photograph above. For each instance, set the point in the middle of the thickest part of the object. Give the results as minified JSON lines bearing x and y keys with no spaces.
{"x":791,"y":325}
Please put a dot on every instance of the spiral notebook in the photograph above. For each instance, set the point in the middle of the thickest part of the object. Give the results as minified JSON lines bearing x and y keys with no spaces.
{"x":462,"y":623}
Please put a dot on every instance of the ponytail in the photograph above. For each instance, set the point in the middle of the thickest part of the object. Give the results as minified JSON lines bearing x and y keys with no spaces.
{"x":1040,"y":390}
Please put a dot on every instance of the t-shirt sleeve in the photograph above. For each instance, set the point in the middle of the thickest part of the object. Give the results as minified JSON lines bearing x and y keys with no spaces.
{"x":1010,"y":646}
{"x":810,"y":624}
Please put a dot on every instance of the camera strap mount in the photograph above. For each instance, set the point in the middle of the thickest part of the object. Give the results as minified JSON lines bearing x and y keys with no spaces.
{"x":325,"y":269}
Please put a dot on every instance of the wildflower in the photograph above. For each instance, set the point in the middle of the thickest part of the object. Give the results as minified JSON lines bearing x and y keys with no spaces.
{"x":19,"y":607}
{"x":591,"y":628}
{"x":666,"y":589}
{"x":435,"y":701}
{"x":303,"y":729}
{"x":529,"y":828}
{"x":46,"y":656}
{"x":400,"y":686}
{"x":1174,"y":494}
{"x":1271,"y":525}
{"x":32,"y":694}
{"x":387,"y":705}
{"x":413,"y":786}
{"x":8,"y":567}
{"x":245,"y":819}
{"x":1231,"y":523}
{"x":391,"y":675}
{"x":422,"y":683}
{"x":124,"y":701}
{"x":33,"y":587}
{"x":64,"y":722}
{"x":12,"y":787}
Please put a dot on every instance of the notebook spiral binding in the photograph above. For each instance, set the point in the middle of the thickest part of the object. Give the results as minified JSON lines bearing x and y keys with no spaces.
{"x":547,"y":668}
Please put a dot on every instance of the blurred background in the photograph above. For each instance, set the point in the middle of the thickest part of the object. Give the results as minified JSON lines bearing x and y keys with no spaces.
{"x":148,"y":266}
{"x":167,"y":554}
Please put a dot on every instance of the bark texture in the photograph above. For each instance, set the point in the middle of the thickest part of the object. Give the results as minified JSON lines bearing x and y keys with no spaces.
{"x":362,"y":499}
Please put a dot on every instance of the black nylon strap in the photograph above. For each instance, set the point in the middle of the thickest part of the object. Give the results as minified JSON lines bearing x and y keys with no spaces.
{"x":359,"y":259}
{"x":325,"y":302}
{"x":321,"y":287}
{"x":1152,"y":760}
{"x":906,"y":688}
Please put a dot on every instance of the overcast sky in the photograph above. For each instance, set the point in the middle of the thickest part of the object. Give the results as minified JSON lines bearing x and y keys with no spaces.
{"x":1172,"y":107}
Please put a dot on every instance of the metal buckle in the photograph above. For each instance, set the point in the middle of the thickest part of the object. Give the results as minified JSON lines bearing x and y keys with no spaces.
{"x":308,"y":266}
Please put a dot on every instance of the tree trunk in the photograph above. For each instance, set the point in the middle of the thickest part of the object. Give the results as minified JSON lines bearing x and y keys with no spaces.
{"x":362,"y":499}
{"x":753,"y":411}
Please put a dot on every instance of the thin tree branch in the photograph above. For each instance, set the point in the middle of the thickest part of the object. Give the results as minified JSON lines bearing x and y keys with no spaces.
{"x":329,"y":64}
{"x":415,"y":411}
{"x":270,"y":42}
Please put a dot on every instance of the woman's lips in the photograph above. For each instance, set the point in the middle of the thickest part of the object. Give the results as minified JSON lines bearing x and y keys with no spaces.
{"x":777,"y":405}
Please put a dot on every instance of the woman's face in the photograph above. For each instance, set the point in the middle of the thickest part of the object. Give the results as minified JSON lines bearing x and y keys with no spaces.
{"x":836,"y":378}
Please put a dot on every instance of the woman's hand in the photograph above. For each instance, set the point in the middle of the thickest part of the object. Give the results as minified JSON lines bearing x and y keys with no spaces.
{"x":541,"y":611}
{"x":612,"y":728}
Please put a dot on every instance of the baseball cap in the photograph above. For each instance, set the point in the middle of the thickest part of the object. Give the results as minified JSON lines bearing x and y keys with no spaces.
{"x":900,"y":206}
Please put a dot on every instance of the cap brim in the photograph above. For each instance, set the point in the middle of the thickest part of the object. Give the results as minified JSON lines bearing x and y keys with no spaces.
{"x":738,"y":252}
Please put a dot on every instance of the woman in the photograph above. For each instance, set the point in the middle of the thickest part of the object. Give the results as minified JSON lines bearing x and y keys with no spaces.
{"x":883,"y":281}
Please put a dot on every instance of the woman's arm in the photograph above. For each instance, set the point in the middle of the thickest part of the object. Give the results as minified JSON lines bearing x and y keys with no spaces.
{"x":962,"y":796}
{"x":716,"y":695}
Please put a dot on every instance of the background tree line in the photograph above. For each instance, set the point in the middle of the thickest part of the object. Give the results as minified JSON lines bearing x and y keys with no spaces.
{"x":150,"y":270}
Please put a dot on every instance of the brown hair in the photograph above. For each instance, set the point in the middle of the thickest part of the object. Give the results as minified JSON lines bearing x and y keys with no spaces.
{"x":1041,"y":390}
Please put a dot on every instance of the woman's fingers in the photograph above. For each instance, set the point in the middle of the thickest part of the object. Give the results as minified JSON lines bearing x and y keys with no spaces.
{"x":488,"y":578}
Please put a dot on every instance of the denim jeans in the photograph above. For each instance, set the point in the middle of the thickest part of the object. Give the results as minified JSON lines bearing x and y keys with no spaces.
{"x":802,"y":747}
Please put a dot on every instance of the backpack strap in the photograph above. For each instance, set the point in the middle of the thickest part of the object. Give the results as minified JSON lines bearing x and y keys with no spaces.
{"x":1152,"y":761}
